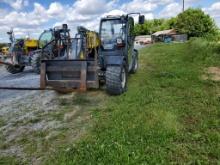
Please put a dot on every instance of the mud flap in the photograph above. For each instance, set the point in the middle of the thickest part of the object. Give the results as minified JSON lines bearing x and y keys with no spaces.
{"x":69,"y":75}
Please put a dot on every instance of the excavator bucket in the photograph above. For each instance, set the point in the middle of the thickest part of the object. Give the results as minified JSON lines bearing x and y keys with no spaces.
{"x":69,"y":75}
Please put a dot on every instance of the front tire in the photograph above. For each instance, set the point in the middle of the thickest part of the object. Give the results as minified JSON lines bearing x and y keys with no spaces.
{"x":116,"y":80}
{"x":14,"y":69}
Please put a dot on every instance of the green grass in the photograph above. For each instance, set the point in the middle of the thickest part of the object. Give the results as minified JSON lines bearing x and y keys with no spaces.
{"x":2,"y":122}
{"x":9,"y":160}
{"x":167,"y":116}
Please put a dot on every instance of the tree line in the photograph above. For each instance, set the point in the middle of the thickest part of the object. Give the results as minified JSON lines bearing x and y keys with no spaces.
{"x":3,"y":45}
{"x":193,"y":22}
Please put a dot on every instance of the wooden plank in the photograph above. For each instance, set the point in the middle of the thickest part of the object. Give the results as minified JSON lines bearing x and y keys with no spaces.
{"x":64,"y":81}
{"x":69,"y":68}
{"x":71,"y":84}
{"x":64,"y":84}
{"x":96,"y":74}
{"x":63,"y":69}
{"x":83,"y":76}
{"x":95,"y":63}
{"x":43,"y":76}
{"x":64,"y":63}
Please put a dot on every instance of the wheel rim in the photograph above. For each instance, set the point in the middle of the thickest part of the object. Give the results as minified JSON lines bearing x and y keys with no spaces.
{"x":123,"y":78}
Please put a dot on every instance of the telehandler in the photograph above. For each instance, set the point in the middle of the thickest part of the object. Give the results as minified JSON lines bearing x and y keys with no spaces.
{"x":90,"y":61}
{"x":52,"y":43}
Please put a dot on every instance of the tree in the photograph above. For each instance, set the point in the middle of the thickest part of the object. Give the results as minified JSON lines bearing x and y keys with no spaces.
{"x":152,"y":26}
{"x":171,"y":23}
{"x":195,"y":23}
{"x":3,"y":45}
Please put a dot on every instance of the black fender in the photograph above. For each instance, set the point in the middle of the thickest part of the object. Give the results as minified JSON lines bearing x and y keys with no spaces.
{"x":135,"y":53}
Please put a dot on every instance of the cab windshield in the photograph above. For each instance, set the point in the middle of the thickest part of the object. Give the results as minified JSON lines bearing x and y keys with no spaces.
{"x":111,"y":30}
{"x":45,"y":38}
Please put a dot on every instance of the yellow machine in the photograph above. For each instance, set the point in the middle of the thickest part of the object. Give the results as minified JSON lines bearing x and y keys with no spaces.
{"x":91,"y":41}
{"x":5,"y":50}
{"x":30,"y":45}
{"x":20,"y":51}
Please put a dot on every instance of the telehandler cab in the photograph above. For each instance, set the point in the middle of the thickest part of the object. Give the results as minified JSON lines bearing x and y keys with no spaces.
{"x":112,"y":60}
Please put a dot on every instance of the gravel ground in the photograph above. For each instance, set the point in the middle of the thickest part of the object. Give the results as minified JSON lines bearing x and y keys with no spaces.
{"x":34,"y":123}
{"x":24,"y":79}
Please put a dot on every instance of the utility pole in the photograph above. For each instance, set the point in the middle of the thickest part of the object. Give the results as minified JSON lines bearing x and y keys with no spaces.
{"x":183,"y":5}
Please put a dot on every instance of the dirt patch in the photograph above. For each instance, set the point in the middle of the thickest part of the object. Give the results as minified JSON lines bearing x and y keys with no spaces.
{"x":212,"y":73}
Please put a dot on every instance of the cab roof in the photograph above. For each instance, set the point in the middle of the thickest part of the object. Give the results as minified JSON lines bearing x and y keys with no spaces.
{"x":112,"y":17}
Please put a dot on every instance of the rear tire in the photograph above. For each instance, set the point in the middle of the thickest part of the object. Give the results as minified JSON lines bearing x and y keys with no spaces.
{"x":36,"y":62}
{"x":14,"y":69}
{"x":116,"y":80}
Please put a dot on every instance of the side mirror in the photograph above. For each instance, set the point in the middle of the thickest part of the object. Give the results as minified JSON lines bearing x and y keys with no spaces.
{"x":141,"y":19}
{"x":9,"y":33}
{"x":65,"y":26}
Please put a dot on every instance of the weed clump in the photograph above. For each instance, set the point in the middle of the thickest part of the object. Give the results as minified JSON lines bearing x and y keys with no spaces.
{"x":202,"y":49}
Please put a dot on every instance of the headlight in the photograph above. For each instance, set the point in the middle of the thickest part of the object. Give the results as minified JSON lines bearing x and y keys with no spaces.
{"x":119,"y":41}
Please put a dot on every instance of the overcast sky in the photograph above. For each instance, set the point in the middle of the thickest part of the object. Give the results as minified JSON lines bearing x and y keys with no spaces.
{"x":33,"y":16}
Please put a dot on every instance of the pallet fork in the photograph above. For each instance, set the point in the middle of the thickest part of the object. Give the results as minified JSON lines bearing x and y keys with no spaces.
{"x":69,"y":75}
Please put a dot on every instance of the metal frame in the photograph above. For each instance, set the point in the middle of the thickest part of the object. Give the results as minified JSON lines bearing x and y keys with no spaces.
{"x":71,"y":75}
{"x":76,"y":74}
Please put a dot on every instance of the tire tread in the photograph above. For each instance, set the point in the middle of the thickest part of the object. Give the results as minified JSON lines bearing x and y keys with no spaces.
{"x":13,"y":70}
{"x":113,"y":83}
